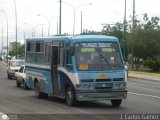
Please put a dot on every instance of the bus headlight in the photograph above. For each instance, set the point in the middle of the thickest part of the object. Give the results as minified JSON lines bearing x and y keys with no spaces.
{"x":119,"y":85}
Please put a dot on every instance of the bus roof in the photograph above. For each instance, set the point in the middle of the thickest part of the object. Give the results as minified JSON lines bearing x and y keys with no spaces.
{"x":81,"y":38}
{"x":77,"y":38}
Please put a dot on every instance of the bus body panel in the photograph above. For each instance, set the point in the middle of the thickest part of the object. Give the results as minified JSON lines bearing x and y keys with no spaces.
{"x":41,"y":74}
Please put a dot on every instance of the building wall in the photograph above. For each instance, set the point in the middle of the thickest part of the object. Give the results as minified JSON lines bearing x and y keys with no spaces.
{"x":12,"y":45}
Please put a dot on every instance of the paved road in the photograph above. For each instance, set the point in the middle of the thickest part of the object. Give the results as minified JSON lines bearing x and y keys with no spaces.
{"x":143,"y":97}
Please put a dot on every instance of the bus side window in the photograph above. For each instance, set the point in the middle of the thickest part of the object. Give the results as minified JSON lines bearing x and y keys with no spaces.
{"x":68,"y":61}
{"x":30,"y":51}
{"x":48,"y":53}
{"x":39,"y":57}
{"x":61,"y":57}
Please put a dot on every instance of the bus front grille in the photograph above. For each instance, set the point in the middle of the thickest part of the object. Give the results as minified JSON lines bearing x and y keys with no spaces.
{"x":118,"y":79}
{"x":103,"y":86}
{"x":103,"y":80}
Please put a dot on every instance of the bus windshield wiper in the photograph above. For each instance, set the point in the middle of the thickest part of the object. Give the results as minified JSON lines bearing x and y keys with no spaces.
{"x":105,"y":59}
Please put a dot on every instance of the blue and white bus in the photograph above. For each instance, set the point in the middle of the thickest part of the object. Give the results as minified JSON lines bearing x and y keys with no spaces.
{"x":76,"y":68}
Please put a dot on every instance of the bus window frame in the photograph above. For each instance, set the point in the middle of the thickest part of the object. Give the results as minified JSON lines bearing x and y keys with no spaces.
{"x":31,"y":51}
{"x":48,"y":45}
{"x":40,"y":52}
{"x":68,"y":66}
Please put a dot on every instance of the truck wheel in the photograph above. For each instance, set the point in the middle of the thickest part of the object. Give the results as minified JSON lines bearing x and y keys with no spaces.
{"x":69,"y":97}
{"x":38,"y":93}
{"x":116,"y":103}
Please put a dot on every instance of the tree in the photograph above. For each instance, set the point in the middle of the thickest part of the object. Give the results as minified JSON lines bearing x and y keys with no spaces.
{"x":114,"y":30}
{"x":145,"y":40}
{"x":117,"y":31}
{"x":142,"y":42}
{"x":20,"y":50}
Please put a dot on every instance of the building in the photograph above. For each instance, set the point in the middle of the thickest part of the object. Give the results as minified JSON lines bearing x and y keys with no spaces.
{"x":12,"y":45}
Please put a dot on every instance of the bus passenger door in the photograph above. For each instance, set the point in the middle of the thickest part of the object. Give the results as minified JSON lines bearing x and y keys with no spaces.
{"x":54,"y":70}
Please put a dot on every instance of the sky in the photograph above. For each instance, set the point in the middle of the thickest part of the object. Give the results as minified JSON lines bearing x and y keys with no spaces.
{"x":93,"y":16}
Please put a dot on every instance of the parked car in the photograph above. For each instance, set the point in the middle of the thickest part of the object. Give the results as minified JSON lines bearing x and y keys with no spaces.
{"x":14,"y":66}
{"x":1,"y":58}
{"x":20,"y":77}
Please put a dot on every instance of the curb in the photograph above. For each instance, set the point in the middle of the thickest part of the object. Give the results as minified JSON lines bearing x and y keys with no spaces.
{"x":139,"y":78}
{"x":3,"y":64}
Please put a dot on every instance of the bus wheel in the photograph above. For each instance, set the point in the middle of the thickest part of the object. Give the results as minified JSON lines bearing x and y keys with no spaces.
{"x":39,"y":94}
{"x":69,"y":97}
{"x":116,"y":103}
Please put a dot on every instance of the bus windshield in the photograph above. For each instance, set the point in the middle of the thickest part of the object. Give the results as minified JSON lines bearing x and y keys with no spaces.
{"x":88,"y":56}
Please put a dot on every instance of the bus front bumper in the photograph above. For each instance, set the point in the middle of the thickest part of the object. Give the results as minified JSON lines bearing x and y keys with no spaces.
{"x":108,"y":95}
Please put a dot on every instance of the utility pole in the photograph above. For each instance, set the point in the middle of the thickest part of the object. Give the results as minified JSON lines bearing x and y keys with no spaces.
{"x":16,"y":26}
{"x":42,"y":30}
{"x":2,"y":37}
{"x":7,"y":30}
{"x":133,"y":28}
{"x":124,"y":30}
{"x":133,"y":18}
{"x":124,"y":19}
{"x":57,"y":27}
{"x":81,"y":22}
{"x":60,"y":16}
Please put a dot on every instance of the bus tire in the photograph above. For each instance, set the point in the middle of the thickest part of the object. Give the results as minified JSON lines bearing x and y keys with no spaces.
{"x":69,"y":97}
{"x":116,"y":103}
{"x":38,"y":93}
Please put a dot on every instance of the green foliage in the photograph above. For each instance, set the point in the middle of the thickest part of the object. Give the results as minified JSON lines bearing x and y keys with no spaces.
{"x":116,"y":30}
{"x":153,"y":64}
{"x":20,"y":51}
{"x":140,"y":42}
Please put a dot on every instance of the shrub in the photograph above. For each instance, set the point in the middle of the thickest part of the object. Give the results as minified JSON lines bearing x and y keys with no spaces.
{"x":154,"y":64}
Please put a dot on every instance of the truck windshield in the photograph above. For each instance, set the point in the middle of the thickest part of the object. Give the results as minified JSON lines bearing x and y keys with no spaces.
{"x":88,"y":56}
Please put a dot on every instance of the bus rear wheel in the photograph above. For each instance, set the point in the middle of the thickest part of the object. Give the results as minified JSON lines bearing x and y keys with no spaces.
{"x":116,"y":103}
{"x":69,"y":97}
{"x":38,"y":93}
